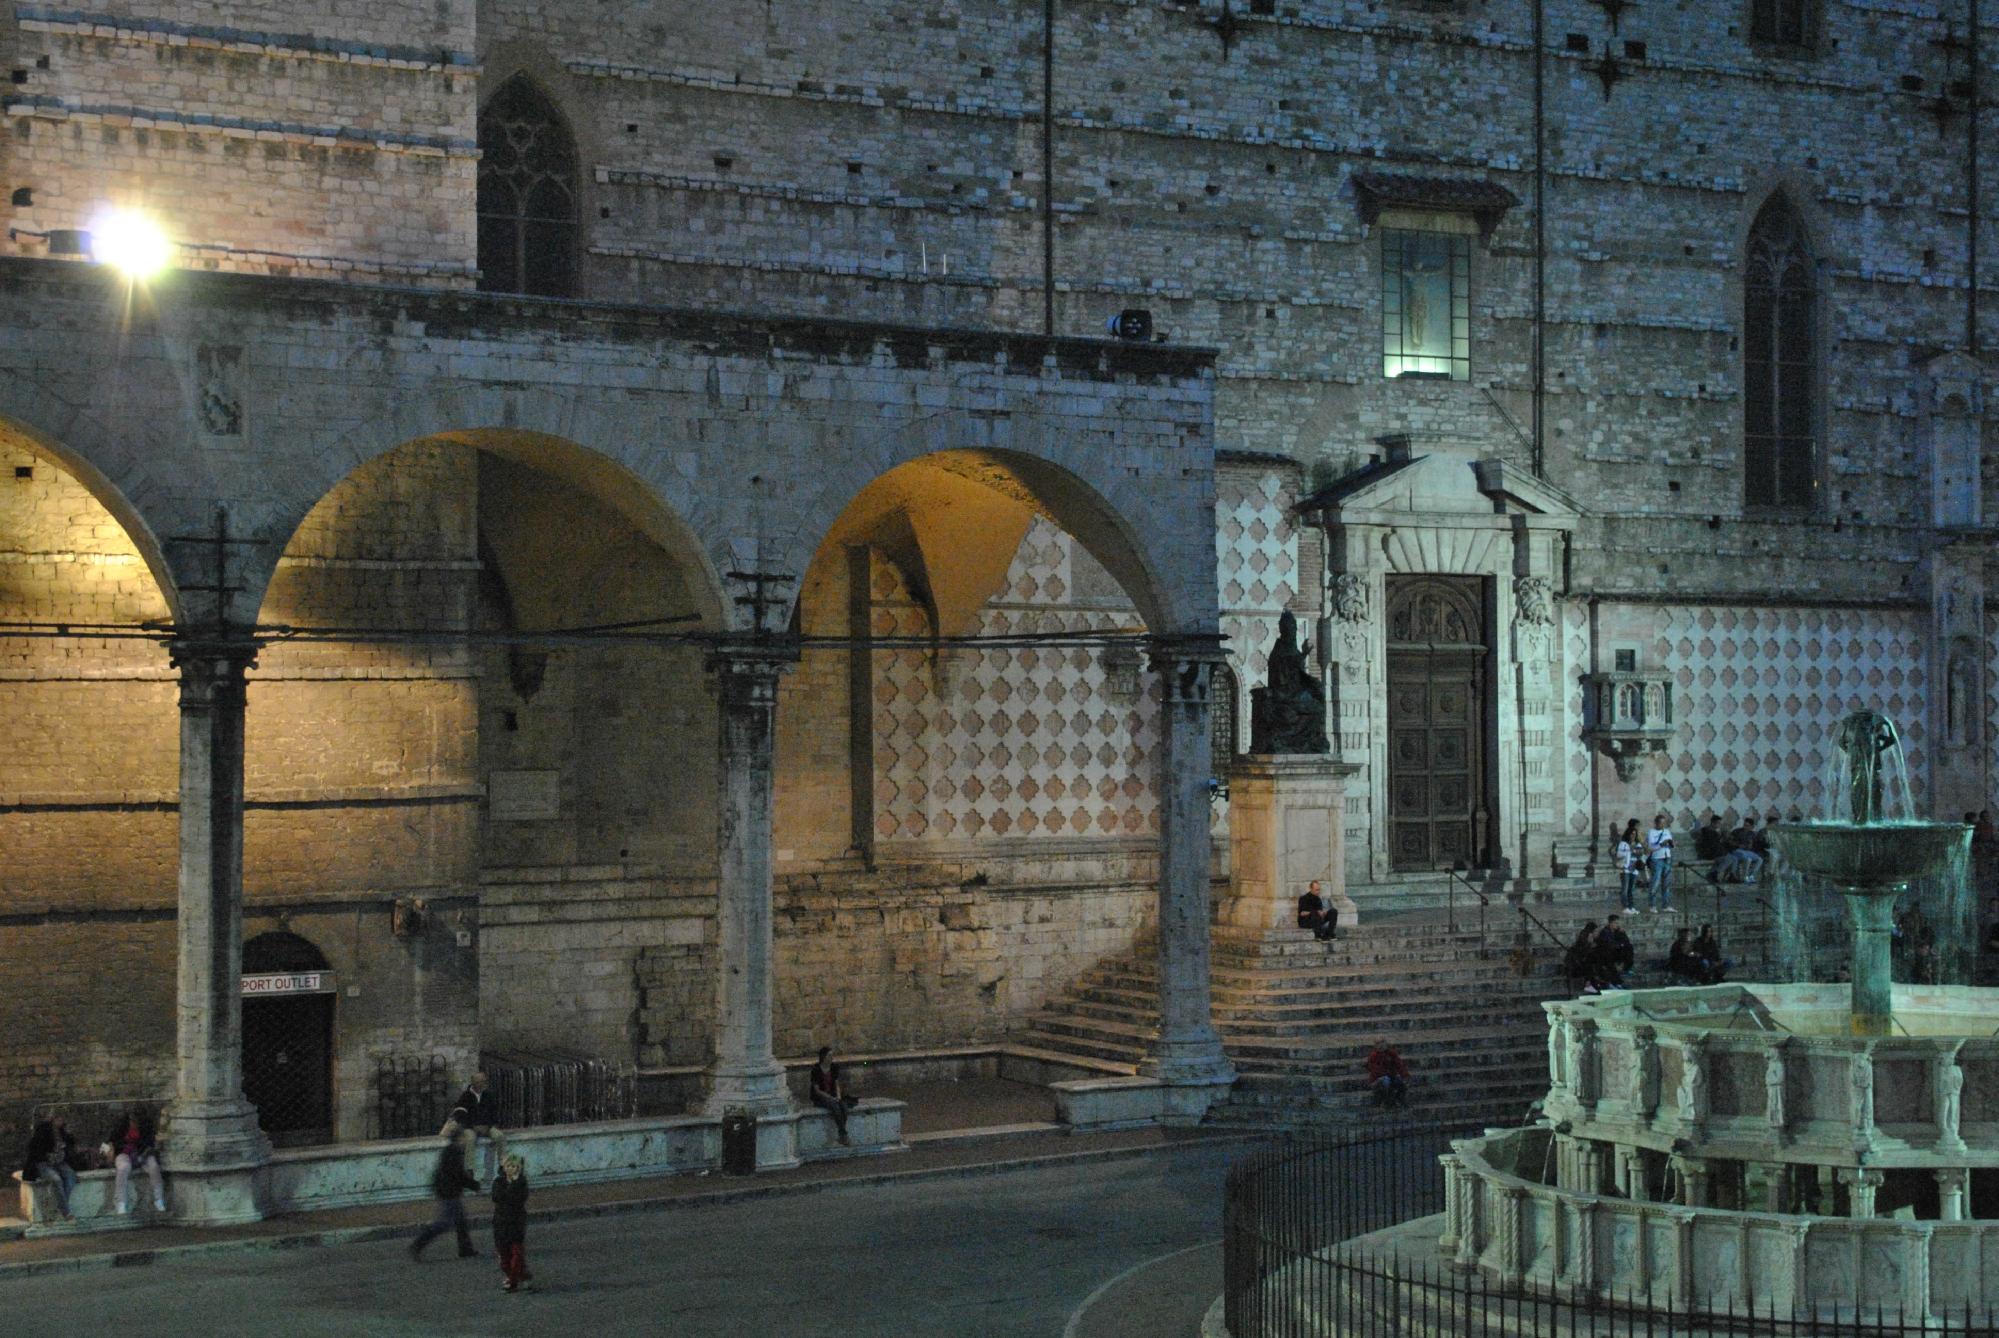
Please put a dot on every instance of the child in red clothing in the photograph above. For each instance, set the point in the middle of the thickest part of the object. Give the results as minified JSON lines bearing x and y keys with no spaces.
{"x":510,"y":1222}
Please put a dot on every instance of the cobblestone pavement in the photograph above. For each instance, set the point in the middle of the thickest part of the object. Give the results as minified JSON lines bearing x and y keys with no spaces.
{"x":1016,"y":1252}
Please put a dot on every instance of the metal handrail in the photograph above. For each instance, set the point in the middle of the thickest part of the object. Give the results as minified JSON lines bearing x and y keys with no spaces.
{"x":1553,"y":937}
{"x":1484,"y":902}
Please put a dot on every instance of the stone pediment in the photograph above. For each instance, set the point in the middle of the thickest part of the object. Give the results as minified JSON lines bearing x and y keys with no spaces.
{"x":1448,"y":489}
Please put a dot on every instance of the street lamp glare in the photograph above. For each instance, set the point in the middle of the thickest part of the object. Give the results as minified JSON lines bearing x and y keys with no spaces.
{"x":130,"y":243}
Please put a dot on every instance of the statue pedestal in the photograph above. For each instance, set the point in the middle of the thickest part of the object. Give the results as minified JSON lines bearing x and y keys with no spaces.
{"x":1286,"y":813}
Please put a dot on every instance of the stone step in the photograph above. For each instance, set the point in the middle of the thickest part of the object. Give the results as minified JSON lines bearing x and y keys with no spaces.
{"x":1269,"y":1017}
{"x":1468,"y":1049}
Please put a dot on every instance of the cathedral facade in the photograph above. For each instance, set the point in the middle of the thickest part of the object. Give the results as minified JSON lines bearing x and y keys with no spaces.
{"x":606,"y":495}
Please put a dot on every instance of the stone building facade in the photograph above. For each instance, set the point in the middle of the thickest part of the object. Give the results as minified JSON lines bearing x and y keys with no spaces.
{"x":1601,"y":386}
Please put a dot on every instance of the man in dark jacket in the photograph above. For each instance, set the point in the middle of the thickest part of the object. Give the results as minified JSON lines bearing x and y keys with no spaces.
{"x":1614,"y":955}
{"x":482,"y":1117}
{"x":448,"y":1182}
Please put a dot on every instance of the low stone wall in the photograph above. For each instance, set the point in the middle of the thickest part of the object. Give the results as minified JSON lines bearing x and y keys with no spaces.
{"x":1521,"y":1232}
{"x":394,"y":1171}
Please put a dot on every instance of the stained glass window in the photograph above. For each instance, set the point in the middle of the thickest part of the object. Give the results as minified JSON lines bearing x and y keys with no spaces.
{"x":1779,"y":362}
{"x":527,"y":195}
{"x":1425,"y":304}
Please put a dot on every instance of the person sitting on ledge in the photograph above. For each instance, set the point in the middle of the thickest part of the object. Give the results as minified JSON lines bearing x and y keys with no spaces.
{"x":132,"y":1147}
{"x":829,"y":1091}
{"x":1387,"y":1075}
{"x":1314,"y":914}
{"x":51,"y":1148}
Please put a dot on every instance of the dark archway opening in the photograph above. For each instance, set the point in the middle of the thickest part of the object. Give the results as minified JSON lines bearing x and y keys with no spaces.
{"x":288,"y":1038}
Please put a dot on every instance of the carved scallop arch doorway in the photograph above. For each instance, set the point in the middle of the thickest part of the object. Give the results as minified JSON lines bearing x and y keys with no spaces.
{"x":1440,"y":784}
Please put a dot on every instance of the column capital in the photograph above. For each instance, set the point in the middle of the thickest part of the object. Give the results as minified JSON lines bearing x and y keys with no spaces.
{"x":747,"y":669}
{"x":1166,"y":652}
{"x":212,"y":654}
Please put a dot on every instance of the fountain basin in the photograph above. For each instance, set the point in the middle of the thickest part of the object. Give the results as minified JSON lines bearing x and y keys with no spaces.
{"x":1875,"y":856}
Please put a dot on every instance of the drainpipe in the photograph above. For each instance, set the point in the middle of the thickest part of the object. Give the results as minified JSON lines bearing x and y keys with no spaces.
{"x":1971,"y":185}
{"x":1540,"y":368}
{"x":1048,"y":166}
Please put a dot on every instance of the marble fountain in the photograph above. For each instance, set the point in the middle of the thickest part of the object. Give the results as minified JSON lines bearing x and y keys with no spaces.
{"x":1817,"y":1149}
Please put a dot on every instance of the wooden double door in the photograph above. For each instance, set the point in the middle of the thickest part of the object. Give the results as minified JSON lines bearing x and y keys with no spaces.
{"x":1440,"y":788}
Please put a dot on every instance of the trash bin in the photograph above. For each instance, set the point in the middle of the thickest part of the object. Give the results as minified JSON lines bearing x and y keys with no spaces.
{"x":739,"y":1143}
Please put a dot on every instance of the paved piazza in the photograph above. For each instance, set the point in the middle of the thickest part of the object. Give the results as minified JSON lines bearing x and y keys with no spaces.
{"x":1016,"y":1253}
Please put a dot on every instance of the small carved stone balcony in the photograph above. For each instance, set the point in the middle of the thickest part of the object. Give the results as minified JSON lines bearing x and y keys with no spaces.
{"x":1628,"y":715}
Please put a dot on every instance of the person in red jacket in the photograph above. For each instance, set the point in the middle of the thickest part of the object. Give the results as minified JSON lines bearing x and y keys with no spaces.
{"x":1387,"y":1075}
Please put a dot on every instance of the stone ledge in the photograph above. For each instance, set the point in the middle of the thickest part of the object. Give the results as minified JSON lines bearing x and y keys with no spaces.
{"x":395,"y":1171}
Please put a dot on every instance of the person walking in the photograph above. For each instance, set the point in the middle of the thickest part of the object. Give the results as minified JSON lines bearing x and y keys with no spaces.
{"x":1659,"y":846}
{"x":510,"y":1222}
{"x":448,"y":1182}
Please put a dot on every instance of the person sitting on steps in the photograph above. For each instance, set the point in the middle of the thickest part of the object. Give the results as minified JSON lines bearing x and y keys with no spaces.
{"x":1387,"y":1076}
{"x":1316,"y":915}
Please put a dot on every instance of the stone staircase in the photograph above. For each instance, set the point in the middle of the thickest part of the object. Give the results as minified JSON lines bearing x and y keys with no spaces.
{"x":1298,"y":1016}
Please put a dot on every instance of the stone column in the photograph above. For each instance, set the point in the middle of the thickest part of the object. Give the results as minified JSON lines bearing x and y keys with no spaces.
{"x":1189,"y":1050}
{"x":1694,"y":1182}
{"x":1861,"y":1185}
{"x":212,"y":1141}
{"x":1631,"y":1174}
{"x":745,"y":1074}
{"x":1953,"y":1186}
{"x":1454,"y":1170}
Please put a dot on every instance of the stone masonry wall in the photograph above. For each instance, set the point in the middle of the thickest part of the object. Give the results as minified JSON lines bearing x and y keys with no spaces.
{"x":279,"y":138}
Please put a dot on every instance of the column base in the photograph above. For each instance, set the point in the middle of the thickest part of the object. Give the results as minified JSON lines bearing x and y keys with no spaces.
{"x":218,"y":1136}
{"x":1196,"y":1061}
{"x":761,"y":1090}
{"x":214,"y":1196}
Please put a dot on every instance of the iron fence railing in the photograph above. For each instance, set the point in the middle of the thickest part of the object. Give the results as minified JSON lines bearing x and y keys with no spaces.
{"x":1292,"y":1265}
{"x":412,"y":1095}
{"x":540,"y":1088}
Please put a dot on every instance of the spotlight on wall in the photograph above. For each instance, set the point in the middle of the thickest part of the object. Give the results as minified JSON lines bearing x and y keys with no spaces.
{"x":1133,"y":323}
{"x":130,"y":243}
{"x":72,"y":243}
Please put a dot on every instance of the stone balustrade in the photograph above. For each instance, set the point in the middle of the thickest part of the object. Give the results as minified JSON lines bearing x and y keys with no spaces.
{"x":1524,"y":1233}
{"x":1763,"y":1073}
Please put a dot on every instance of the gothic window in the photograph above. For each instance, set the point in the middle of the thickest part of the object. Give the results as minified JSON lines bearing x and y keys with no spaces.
{"x":528,"y":231}
{"x":1425,"y":304}
{"x":1781,"y":22}
{"x":1223,"y":726}
{"x":1779,"y":362}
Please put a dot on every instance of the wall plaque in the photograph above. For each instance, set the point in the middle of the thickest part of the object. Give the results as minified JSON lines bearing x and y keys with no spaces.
{"x":524,"y":796}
